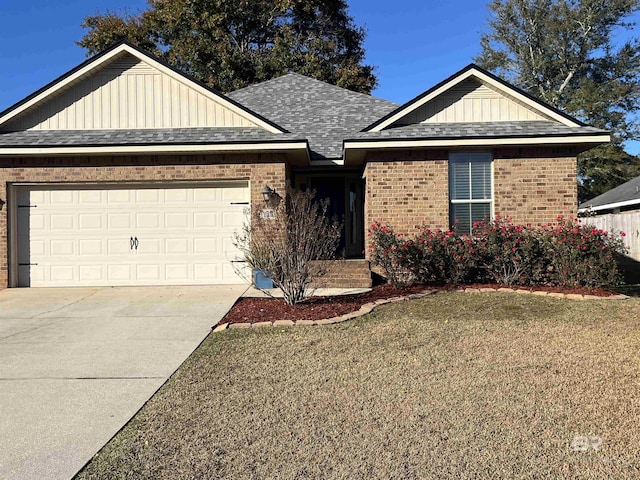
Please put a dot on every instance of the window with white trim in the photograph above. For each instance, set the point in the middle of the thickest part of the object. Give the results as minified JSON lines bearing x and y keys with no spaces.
{"x":470,"y":189}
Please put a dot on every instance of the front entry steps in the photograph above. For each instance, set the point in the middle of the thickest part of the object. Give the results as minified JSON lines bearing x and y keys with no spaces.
{"x":348,"y":274}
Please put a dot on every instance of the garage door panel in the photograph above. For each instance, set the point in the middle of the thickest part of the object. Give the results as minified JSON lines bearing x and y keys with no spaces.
{"x":176,"y":220}
{"x":62,"y":247}
{"x":120,"y":221}
{"x":148,"y":195}
{"x":148,"y":220}
{"x":62,"y":198}
{"x":148,"y":246}
{"x":176,"y":196}
{"x":119,"y":273}
{"x":62,"y":273}
{"x":118,"y":246}
{"x":91,"y":197}
{"x":206,"y":272}
{"x":235,"y":194}
{"x":232,"y":219}
{"x":91,"y":221}
{"x":62,"y":222}
{"x":120,"y":197}
{"x":149,"y":272}
{"x":92,"y":273}
{"x":184,"y":235}
{"x":177,"y":273}
{"x":176,"y":246}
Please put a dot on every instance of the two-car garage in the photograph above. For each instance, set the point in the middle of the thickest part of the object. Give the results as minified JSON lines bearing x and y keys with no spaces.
{"x":126,"y":234}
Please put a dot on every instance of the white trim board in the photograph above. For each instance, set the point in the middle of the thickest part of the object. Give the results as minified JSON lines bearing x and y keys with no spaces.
{"x":476,"y":142}
{"x":147,"y":149}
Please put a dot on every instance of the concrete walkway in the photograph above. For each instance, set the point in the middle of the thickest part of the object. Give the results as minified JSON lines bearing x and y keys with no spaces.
{"x":77,"y":363}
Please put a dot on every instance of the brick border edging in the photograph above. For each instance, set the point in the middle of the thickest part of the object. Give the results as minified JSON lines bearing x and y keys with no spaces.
{"x":369,"y":307}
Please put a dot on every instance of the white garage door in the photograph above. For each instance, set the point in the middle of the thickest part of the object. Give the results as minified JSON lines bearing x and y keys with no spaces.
{"x":149,"y":235}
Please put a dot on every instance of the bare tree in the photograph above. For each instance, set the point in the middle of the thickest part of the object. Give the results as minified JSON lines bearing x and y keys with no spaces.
{"x":293,"y":243}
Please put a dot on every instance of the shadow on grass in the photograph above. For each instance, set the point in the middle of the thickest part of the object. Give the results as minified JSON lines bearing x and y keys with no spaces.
{"x":630,"y":269}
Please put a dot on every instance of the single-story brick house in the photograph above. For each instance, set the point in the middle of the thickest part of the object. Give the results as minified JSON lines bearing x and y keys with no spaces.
{"x":124,"y":171}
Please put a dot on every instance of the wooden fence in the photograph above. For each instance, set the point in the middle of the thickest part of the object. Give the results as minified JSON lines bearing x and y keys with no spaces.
{"x":627,"y":222}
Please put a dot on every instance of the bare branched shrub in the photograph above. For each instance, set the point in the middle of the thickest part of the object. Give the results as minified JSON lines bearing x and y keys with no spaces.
{"x":292,"y":243}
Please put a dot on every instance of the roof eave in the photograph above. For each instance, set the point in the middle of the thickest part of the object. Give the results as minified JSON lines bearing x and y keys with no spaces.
{"x":354,"y":150}
{"x":297,"y":148}
{"x":609,"y":206}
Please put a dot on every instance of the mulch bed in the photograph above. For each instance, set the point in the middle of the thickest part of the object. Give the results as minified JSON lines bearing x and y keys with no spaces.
{"x":253,"y":310}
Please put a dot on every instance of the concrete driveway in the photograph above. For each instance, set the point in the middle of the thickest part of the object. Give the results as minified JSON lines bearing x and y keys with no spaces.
{"x":77,"y":363}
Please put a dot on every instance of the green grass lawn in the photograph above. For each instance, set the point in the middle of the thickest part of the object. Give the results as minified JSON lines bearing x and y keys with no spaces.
{"x":450,"y":386}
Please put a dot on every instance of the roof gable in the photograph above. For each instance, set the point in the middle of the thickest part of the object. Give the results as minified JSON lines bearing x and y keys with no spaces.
{"x":472,"y":95}
{"x":124,"y":88}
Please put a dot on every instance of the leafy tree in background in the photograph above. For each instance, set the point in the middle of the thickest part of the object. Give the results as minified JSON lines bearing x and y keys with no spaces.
{"x":565,"y":52}
{"x":230,"y":44}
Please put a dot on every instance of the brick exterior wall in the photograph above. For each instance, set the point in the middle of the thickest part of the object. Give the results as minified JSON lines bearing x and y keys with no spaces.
{"x":403,"y":189}
{"x":258,"y":169}
{"x":406,"y":188}
{"x":534,"y":186}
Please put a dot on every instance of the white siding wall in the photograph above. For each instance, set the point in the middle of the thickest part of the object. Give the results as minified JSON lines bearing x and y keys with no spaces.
{"x":629,"y":223}
{"x":128,"y":93}
{"x":471,"y":101}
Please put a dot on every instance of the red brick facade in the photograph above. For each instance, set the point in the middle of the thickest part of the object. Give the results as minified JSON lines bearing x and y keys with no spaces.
{"x":407,"y":188}
{"x":535,"y":185}
{"x":404,"y":189}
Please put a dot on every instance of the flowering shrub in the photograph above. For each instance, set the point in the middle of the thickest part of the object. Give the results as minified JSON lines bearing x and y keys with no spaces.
{"x":563,"y":254}
{"x":510,"y":254}
{"x":581,"y":255}
{"x":389,"y":252}
{"x":436,"y":256}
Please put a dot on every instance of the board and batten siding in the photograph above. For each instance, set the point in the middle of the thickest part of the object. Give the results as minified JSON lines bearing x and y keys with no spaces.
{"x":128,"y":93}
{"x":471,"y":101}
{"x":627,"y":222}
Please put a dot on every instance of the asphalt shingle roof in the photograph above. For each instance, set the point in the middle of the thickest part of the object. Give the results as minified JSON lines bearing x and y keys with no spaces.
{"x":323,"y":113}
{"x":167,"y":136}
{"x":432,"y":131}
{"x":622,"y":193}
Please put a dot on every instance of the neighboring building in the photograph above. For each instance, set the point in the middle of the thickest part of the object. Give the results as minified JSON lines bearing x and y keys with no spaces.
{"x":126,"y":172}
{"x":618,"y":210}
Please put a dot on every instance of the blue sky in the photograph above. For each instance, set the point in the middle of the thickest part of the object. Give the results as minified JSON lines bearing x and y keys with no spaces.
{"x":414,"y":43}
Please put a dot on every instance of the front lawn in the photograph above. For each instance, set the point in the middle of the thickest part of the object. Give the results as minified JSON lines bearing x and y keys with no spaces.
{"x":450,"y":386}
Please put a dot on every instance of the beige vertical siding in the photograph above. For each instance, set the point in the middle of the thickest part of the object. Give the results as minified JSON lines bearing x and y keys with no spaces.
{"x":471,"y":101}
{"x":128,"y":93}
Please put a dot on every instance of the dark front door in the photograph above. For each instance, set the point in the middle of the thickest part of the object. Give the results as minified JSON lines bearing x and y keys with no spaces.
{"x":346,"y":203}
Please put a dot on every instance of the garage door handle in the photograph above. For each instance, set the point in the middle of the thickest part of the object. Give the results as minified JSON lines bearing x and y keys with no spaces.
{"x":136,"y":243}
{"x":131,"y":243}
